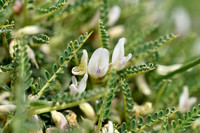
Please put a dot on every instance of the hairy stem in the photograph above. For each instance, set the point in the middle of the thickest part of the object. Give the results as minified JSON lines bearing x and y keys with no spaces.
{"x":182,"y":69}
{"x":65,"y":105}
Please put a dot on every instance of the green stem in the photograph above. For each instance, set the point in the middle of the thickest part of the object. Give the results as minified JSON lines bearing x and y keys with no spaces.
{"x":161,"y":92}
{"x":75,"y":56}
{"x":5,"y":26}
{"x":99,"y":34}
{"x":99,"y":125}
{"x":5,"y":44}
{"x":182,"y":69}
{"x":125,"y":108}
{"x":64,"y":106}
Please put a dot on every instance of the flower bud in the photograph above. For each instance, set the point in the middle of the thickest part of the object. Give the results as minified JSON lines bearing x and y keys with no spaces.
{"x":87,"y":110}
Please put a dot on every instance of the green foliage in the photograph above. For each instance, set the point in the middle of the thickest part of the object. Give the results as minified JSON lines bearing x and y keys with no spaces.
{"x":50,"y":10}
{"x":103,"y":35}
{"x":134,"y":70}
{"x":107,"y":101}
{"x":65,"y":100}
{"x":104,"y":12}
{"x":26,"y":105}
{"x":151,"y":120}
{"x":138,"y":37}
{"x":40,"y":39}
{"x":189,"y":118}
{"x":127,"y":101}
{"x":74,"y":8}
{"x":69,"y":53}
{"x":4,"y":4}
{"x":142,"y":51}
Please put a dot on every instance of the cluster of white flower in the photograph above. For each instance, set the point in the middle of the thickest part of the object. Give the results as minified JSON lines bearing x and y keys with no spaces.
{"x":98,"y":65}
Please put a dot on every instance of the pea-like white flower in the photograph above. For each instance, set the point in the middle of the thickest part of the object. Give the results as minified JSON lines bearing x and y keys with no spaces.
{"x":59,"y":120}
{"x":108,"y":128}
{"x":78,"y":88}
{"x":82,"y":68}
{"x":164,"y":70}
{"x":118,"y":58}
{"x":99,"y":62}
{"x":30,"y":30}
{"x":185,"y":102}
{"x":31,"y":55}
{"x":11,"y":47}
{"x":113,"y":15}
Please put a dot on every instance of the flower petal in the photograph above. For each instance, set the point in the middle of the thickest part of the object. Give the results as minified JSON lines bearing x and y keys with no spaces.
{"x":183,"y":97}
{"x":98,"y":64}
{"x":73,"y":89}
{"x":110,"y":127}
{"x":192,"y":100}
{"x":83,"y":83}
{"x":128,"y":57}
{"x":84,"y":59}
{"x":82,"y":68}
{"x":113,"y":15}
{"x":74,"y":80}
{"x":118,"y":52}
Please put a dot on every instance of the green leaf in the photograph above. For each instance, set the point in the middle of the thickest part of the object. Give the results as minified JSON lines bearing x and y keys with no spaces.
{"x":29,"y":83}
{"x":47,"y":75}
{"x":103,"y":35}
{"x":61,"y":60}
{"x":173,"y":124}
{"x":123,"y":127}
{"x":55,"y":68}
{"x":5,"y":87}
{"x":148,"y":119}
{"x":134,"y":70}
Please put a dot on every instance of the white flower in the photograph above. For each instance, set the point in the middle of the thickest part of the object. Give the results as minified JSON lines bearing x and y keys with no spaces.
{"x":31,"y":55}
{"x":82,"y":68}
{"x":184,"y":101}
{"x":45,"y":48}
{"x":118,"y":58}
{"x":75,"y":88}
{"x":113,"y":15}
{"x":144,"y":109}
{"x":164,"y":70}
{"x":99,"y":62}
{"x":7,"y":108}
{"x":116,"y":31}
{"x":108,"y":128}
{"x":11,"y":47}
{"x":59,"y":120}
{"x":30,"y":30}
{"x":87,"y":109}
{"x":182,"y":20}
